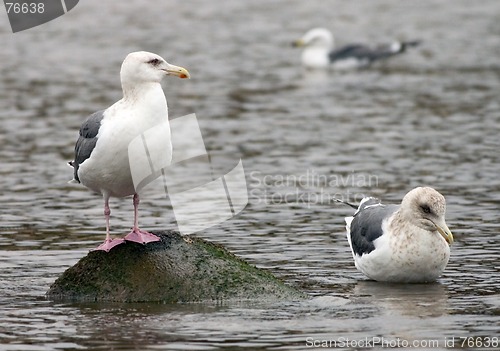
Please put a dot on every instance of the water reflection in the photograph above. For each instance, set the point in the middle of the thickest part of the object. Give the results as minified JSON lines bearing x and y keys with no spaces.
{"x":416,"y":300}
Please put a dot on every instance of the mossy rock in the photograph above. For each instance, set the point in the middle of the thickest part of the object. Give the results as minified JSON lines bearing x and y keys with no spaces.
{"x":175,"y":269}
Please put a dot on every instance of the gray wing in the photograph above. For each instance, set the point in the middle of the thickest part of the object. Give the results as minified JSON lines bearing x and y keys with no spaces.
{"x":385,"y":51}
{"x":368,"y":54}
{"x":366,"y":225}
{"x":87,"y":140}
{"x":355,"y":51}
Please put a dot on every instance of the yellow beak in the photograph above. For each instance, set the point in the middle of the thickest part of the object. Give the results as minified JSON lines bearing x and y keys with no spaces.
{"x":298,"y":43}
{"x":178,"y":71}
{"x":445,"y":232}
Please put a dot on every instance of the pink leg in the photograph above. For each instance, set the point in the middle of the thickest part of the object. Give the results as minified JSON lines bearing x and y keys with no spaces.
{"x":137,"y":235}
{"x":109,"y":243}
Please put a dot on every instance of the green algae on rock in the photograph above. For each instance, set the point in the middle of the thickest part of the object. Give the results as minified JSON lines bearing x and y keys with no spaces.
{"x":175,"y":269}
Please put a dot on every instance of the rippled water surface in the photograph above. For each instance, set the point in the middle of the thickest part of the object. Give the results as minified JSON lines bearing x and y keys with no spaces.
{"x":431,"y":116}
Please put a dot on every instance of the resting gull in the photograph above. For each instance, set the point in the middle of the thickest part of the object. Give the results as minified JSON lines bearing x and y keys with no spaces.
{"x":409,"y":243}
{"x":101,"y":152}
{"x":318,"y":51}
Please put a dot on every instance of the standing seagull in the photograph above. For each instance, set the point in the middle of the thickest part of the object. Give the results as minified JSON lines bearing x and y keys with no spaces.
{"x":318,"y":51}
{"x":407,"y":243}
{"x":101,"y":152}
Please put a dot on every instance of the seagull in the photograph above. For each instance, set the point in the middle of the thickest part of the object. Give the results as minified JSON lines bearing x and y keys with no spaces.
{"x":101,"y":160}
{"x":407,"y":243}
{"x":318,"y":51}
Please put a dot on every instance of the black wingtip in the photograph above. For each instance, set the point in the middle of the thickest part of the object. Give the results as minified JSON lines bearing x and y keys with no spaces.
{"x":412,"y":43}
{"x":347,"y":203}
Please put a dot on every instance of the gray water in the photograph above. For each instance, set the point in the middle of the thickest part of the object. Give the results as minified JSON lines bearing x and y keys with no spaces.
{"x":429,"y":117}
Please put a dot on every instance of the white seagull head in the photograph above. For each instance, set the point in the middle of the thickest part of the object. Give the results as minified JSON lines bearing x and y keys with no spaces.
{"x":425,"y":207}
{"x":316,"y":37}
{"x":146,"y":67}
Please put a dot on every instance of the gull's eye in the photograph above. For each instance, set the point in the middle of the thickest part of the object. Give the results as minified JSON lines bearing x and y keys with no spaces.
{"x":154,"y":62}
{"x":425,"y":209}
